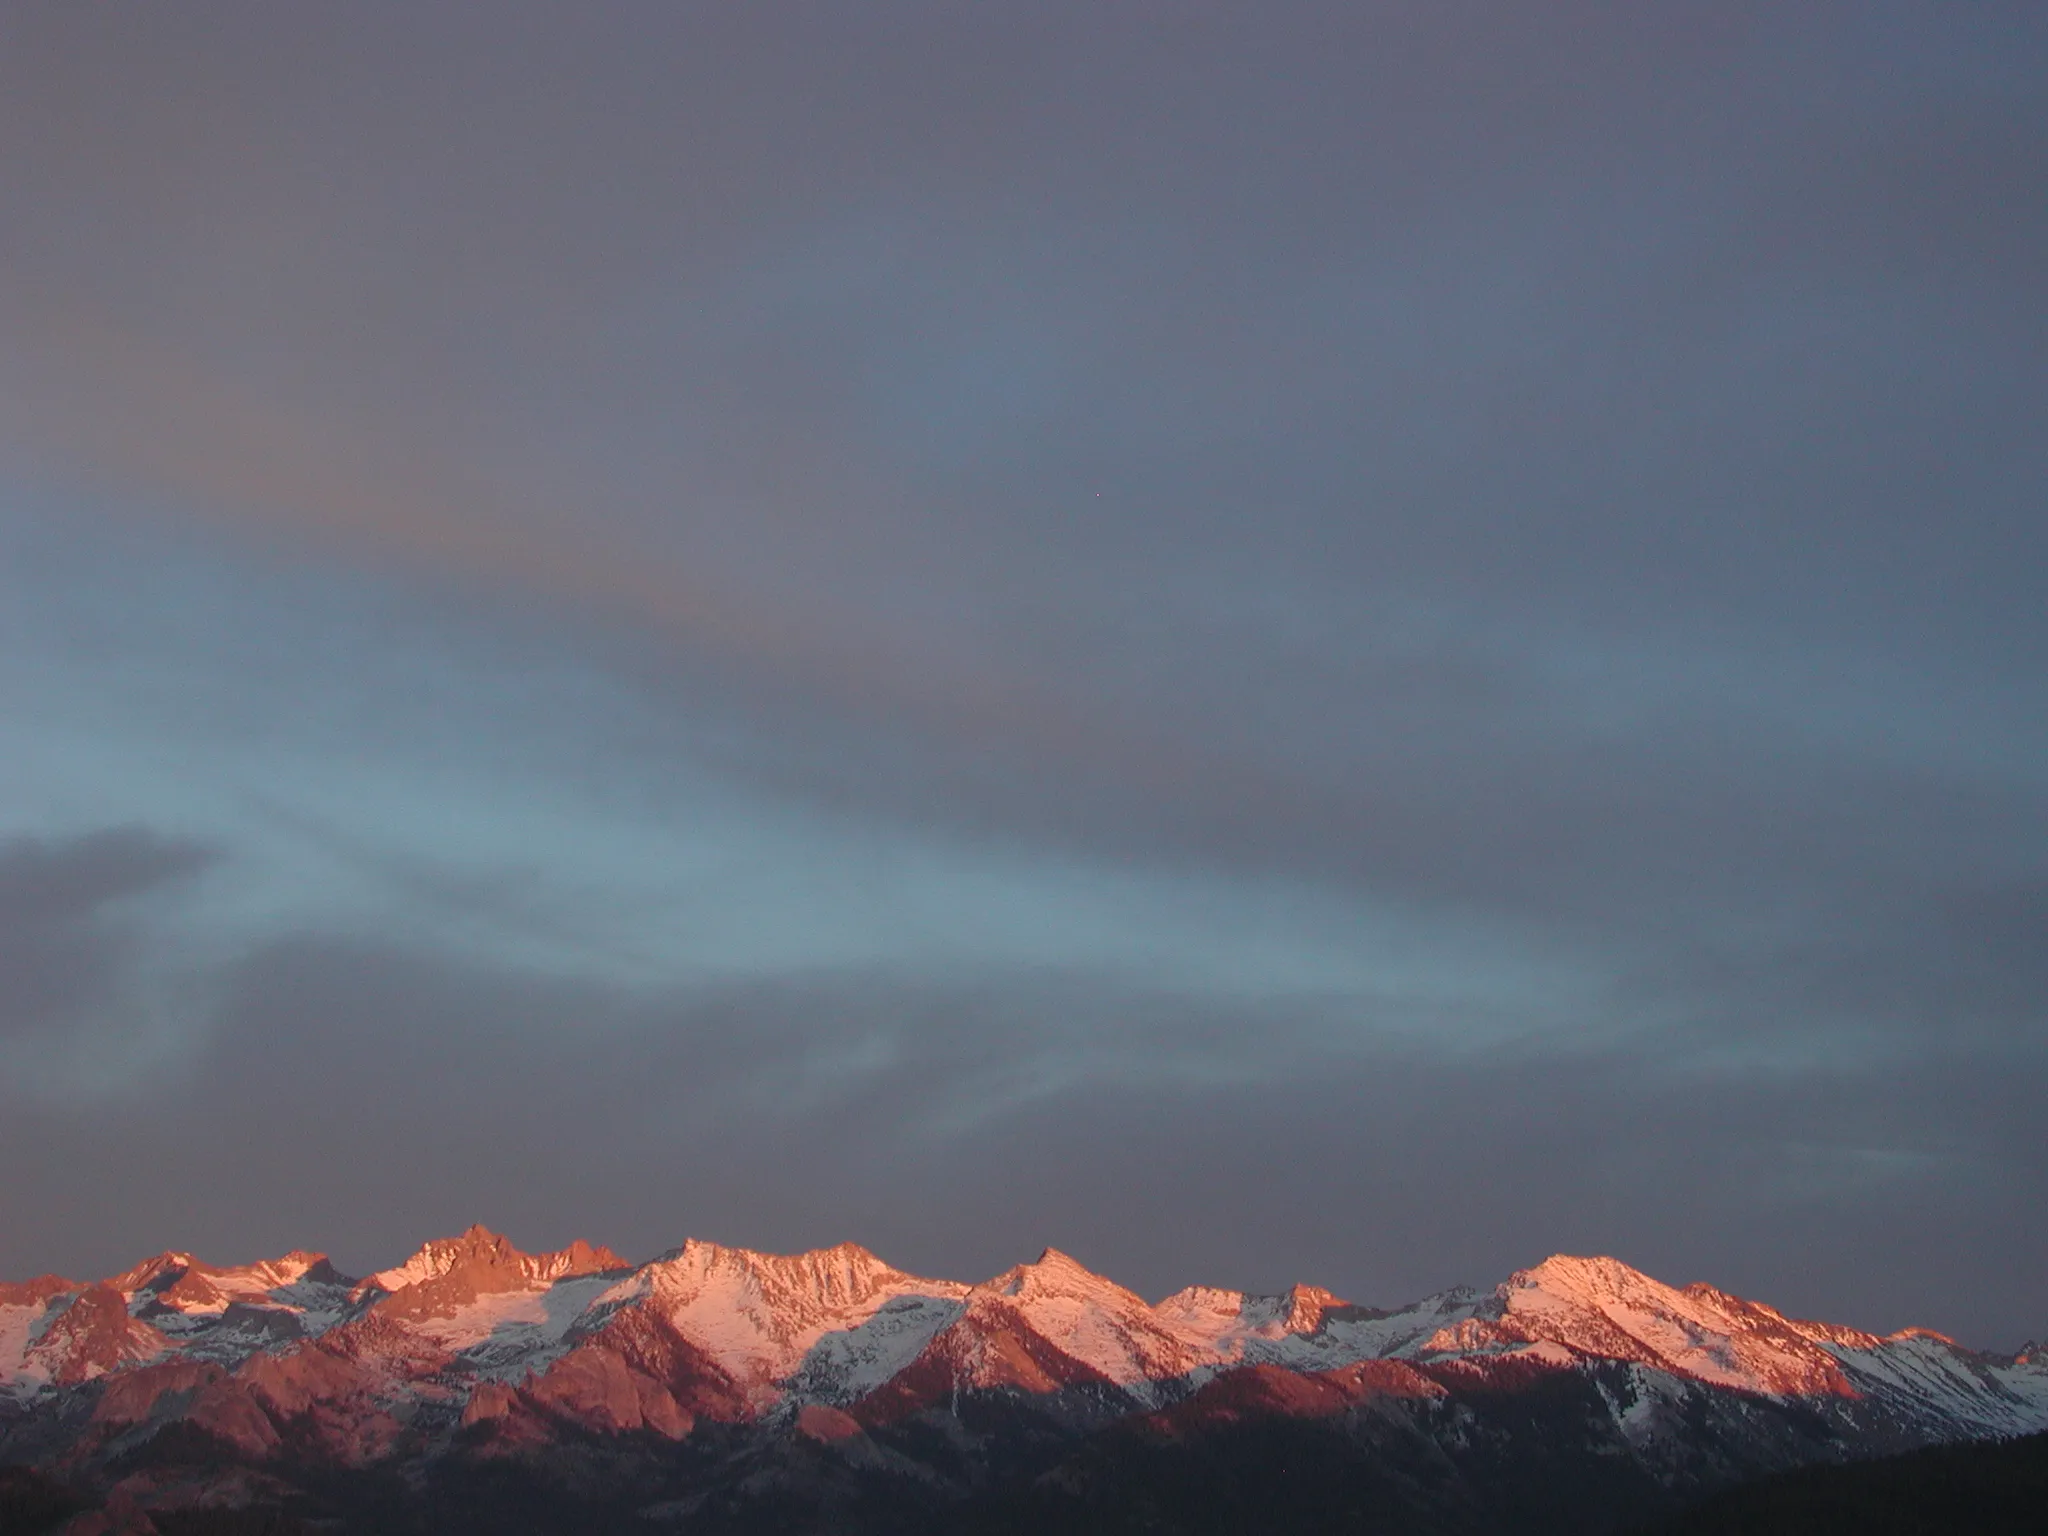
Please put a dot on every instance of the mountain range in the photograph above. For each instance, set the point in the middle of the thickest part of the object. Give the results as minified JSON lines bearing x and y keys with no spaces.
{"x":478,"y":1387}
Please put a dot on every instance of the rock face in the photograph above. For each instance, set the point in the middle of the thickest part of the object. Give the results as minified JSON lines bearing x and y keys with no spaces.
{"x":833,"y":1383}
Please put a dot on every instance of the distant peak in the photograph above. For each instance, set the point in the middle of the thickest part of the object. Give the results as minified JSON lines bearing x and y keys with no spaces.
{"x":318,"y":1269}
{"x":844,"y":1271}
{"x":1055,"y":1261}
{"x":585,"y":1258}
{"x":706,"y":1251}
{"x":1057,"y":1273}
{"x":33,"y":1293}
{"x":474,"y":1239}
{"x":1574,"y":1274}
{"x":1601,"y":1307}
{"x":477,"y":1247}
{"x":1601,"y":1264}
{"x":449,"y":1273}
{"x":161,"y":1269}
{"x":1307,"y":1305}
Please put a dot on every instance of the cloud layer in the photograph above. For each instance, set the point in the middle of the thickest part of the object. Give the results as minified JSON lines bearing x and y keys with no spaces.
{"x":1363,"y":644}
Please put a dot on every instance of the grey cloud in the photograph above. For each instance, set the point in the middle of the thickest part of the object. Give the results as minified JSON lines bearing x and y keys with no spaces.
{"x":1948,"y":964}
{"x":1573,"y":466}
{"x":1496,"y":802}
{"x":61,"y":881}
{"x":1488,"y":369}
{"x":66,"y":939}
{"x":363,"y":1097}
{"x":1484,"y":402}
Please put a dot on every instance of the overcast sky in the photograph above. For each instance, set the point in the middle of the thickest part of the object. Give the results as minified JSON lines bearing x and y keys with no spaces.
{"x":1335,"y":642}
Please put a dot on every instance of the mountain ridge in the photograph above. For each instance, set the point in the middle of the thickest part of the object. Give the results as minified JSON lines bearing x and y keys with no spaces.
{"x":472,"y":1353}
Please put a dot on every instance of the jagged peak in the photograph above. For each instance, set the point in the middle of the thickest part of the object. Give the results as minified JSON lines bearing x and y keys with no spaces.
{"x":319,"y":1270}
{"x":1460,"y":1300}
{"x":1583,"y":1275}
{"x":35,"y":1292}
{"x":1202,"y":1298}
{"x":1601,"y":1282}
{"x":1608,"y":1287}
{"x":296,"y":1262}
{"x":1054,"y":1273}
{"x":92,"y":1334}
{"x":437,"y":1256}
{"x":477,"y":1238}
{"x":843,"y":1272}
{"x":1600,"y":1306}
{"x":164,"y":1267}
{"x":583,"y":1257}
{"x":705,"y":1250}
{"x":480,"y":1253}
{"x":298,"y":1266}
{"x":1593,"y":1305}
{"x":1307,"y":1305}
{"x":1049,"y":1344}
{"x":853,"y":1253}
{"x":1303,"y":1291}
{"x":1597,"y":1282}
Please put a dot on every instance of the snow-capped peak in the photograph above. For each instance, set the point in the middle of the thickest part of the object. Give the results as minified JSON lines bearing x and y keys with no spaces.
{"x":844,"y":1275}
{"x":152,"y":1273}
{"x":818,"y":1320}
{"x":479,"y":1252}
{"x":437,"y":1257}
{"x":1600,"y":1307}
{"x":765,"y":1334}
{"x":1307,"y":1305}
{"x":1055,"y":1274}
{"x":473,"y":1346}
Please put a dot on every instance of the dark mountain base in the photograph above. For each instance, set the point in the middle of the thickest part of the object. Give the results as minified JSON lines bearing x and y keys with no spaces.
{"x":1370,"y":1478}
{"x":31,"y":1503}
{"x":1453,"y":1449}
{"x":1295,"y":1480}
{"x":1994,"y":1489}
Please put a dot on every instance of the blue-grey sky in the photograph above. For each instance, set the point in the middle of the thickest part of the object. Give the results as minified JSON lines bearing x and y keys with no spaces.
{"x":1350,"y":643}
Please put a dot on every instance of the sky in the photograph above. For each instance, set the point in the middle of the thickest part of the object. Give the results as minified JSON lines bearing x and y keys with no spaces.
{"x":1350,"y":643}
